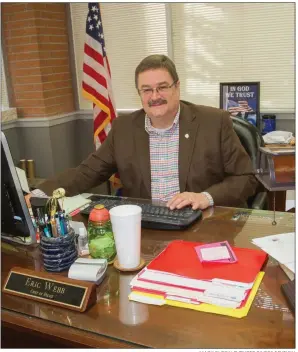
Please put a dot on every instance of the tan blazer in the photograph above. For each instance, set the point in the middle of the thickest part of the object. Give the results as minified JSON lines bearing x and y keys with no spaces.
{"x":211,"y":159}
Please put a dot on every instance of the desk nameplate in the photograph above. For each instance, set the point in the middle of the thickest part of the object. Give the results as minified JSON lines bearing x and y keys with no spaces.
{"x":52,"y":289}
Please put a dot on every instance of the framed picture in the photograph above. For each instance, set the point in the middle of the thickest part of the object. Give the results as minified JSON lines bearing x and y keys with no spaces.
{"x":241,"y":99}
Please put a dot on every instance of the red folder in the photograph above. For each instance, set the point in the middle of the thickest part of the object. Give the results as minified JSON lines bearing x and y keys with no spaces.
{"x":180,"y":258}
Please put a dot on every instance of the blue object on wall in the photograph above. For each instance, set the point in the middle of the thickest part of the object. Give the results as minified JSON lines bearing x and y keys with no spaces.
{"x":268,"y":123}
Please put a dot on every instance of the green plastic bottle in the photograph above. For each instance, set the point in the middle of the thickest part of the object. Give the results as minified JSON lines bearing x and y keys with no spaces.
{"x":100,"y":235}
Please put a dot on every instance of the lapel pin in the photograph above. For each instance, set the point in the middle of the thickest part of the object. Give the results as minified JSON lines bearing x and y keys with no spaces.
{"x":186,"y":136}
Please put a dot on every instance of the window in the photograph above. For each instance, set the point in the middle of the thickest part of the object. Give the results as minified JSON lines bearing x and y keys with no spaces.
{"x":132,"y":31}
{"x":230,"y":42}
{"x":210,"y":43}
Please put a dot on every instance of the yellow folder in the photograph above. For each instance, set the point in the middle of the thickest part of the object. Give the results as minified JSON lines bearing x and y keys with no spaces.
{"x":203,"y":307}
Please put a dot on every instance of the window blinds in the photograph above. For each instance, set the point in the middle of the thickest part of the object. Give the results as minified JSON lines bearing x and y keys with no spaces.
{"x":132,"y":31}
{"x":235,"y":42}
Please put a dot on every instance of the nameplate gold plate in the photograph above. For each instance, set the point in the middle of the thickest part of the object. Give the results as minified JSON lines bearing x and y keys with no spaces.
{"x":52,"y":289}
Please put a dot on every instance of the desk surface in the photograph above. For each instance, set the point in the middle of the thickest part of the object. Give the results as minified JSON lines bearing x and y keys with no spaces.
{"x":116,"y":322}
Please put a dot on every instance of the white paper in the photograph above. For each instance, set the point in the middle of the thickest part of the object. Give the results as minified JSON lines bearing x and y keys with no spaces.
{"x":69,"y":204}
{"x":164,"y":278}
{"x":181,"y":299}
{"x":146,"y":299}
{"x":281,"y":247}
{"x":23,"y":180}
{"x":86,"y":195}
{"x":226,"y":292}
{"x":215,"y":253}
{"x":176,"y":294}
{"x":214,"y":298}
{"x":238,"y":284}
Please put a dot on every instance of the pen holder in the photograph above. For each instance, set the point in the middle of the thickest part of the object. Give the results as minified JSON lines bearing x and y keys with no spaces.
{"x":58,"y":252}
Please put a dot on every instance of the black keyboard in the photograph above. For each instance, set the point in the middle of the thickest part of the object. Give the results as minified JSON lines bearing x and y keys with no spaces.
{"x":153,"y":216}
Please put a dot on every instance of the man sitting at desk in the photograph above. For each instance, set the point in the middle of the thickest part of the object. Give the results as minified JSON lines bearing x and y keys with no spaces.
{"x":171,"y":150}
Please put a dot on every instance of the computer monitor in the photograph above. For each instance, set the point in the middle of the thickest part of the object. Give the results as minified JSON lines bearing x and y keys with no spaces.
{"x":16,"y":222}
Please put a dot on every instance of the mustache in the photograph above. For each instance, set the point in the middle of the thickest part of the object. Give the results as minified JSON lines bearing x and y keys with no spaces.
{"x":157,"y":102}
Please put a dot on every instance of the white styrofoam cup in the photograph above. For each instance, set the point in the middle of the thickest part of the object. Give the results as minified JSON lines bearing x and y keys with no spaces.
{"x":126,"y":225}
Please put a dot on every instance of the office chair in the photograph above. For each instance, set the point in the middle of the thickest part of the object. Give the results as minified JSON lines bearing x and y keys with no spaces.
{"x":251,"y":140}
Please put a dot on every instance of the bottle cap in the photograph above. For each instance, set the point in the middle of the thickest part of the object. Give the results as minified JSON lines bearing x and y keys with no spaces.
{"x":99,"y":206}
{"x":99,"y":213}
{"x":82,"y":231}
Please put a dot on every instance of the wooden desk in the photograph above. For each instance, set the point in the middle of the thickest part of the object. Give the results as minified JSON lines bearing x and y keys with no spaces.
{"x":115,"y":322}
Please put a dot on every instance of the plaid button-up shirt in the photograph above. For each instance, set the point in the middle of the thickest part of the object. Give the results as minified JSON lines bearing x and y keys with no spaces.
{"x":164,"y":160}
{"x":164,"y":152}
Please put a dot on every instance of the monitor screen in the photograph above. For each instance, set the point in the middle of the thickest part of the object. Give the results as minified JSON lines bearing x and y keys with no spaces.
{"x":16,"y":223}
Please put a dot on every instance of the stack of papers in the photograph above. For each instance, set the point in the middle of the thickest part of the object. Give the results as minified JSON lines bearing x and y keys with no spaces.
{"x":177,"y":277}
{"x":70,"y":204}
{"x":281,"y":247}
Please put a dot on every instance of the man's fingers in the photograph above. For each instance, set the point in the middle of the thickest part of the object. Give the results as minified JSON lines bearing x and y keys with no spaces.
{"x":171,"y":201}
{"x":176,"y":202}
{"x":183,"y":204}
{"x":179,"y":200}
{"x":196,"y":205}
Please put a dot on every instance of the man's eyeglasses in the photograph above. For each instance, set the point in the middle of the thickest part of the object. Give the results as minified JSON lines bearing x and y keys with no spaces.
{"x":163,"y":89}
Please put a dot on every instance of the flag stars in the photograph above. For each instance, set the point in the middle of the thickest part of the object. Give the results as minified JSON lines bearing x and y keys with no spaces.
{"x":91,"y":27}
{"x":97,"y":25}
{"x":95,"y":17}
{"x":89,"y":19}
{"x":93,"y":8}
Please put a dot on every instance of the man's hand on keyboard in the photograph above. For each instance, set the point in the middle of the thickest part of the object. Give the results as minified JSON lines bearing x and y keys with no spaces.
{"x":196,"y":200}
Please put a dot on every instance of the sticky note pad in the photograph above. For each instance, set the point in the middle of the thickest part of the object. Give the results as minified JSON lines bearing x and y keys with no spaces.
{"x":215,"y":253}
{"x":219,"y":252}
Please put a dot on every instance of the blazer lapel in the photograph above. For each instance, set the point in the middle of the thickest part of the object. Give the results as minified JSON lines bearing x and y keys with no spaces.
{"x":143,"y":152}
{"x":188,"y":126}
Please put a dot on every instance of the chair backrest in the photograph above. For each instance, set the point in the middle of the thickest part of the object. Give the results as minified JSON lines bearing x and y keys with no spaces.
{"x":250,"y":138}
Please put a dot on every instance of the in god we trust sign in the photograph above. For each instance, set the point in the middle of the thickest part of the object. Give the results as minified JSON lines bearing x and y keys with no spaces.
{"x":242,"y":100}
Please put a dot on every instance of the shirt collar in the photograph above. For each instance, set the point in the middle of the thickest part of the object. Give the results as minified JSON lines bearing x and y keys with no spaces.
{"x":149,"y":128}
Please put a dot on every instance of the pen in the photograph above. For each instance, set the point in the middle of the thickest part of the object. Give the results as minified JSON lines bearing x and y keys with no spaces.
{"x":53,"y":227}
{"x":45,"y":230}
{"x":64,"y":224}
{"x":58,"y":225}
{"x":48,"y":225}
{"x":61,"y":225}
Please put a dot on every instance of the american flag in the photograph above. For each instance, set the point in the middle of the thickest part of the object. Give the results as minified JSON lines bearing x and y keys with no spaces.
{"x":97,"y":85}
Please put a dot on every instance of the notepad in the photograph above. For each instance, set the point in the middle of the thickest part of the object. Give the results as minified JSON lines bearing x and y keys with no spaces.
{"x":88,"y":270}
{"x":69,"y":204}
{"x":220,"y":252}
